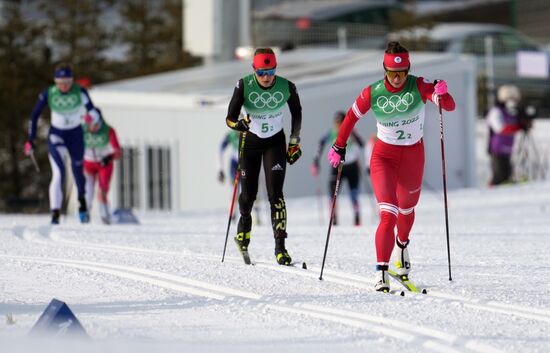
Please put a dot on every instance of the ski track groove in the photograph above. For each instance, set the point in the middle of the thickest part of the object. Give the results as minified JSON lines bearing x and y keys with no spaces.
{"x":428,"y":338}
{"x":343,"y":278}
{"x":387,"y":327}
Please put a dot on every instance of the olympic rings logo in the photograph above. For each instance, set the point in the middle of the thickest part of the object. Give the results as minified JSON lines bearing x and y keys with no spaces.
{"x":390,"y":105}
{"x":65,"y":101}
{"x":265,"y":99}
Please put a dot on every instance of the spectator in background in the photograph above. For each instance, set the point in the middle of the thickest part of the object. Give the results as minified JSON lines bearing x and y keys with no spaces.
{"x":351,"y":170}
{"x":503,"y":120}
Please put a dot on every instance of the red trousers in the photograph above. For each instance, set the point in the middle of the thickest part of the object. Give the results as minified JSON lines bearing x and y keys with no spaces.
{"x":104,"y":173}
{"x":396,"y":173}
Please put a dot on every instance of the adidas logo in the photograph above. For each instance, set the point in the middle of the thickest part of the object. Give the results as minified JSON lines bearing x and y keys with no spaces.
{"x":277,"y":167}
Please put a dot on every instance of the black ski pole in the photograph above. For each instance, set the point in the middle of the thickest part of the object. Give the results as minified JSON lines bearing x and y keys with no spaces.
{"x":235,"y":186}
{"x":336,"y":187}
{"x":444,"y":188}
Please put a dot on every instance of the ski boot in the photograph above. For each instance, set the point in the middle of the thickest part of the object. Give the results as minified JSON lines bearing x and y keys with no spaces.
{"x":357,"y":219}
{"x":242,"y":240}
{"x":402,"y":262}
{"x":83,"y":213}
{"x":55,"y":216}
{"x":382,"y":279}
{"x":282,"y":256}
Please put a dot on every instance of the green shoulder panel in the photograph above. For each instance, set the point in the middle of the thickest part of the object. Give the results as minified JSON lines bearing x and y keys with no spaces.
{"x":64,"y":103}
{"x":260,"y":101}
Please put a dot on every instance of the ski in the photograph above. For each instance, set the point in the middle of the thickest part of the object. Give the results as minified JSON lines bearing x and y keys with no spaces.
{"x":405,"y":282}
{"x":394,"y":292}
{"x":244,"y":254}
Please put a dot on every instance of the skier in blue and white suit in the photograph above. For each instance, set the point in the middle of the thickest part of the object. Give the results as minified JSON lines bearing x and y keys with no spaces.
{"x":68,"y":103}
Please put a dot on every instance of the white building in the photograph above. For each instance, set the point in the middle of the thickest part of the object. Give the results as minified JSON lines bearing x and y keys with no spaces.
{"x":171,"y":124}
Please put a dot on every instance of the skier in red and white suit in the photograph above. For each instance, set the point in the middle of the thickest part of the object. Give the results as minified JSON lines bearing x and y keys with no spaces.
{"x":101,"y":149}
{"x":397,"y":163}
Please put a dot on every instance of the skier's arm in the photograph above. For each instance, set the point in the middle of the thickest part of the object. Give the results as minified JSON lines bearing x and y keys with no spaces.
{"x":235,"y":105}
{"x":426,"y":89}
{"x":113,"y":140}
{"x":359,"y":108}
{"x":295,"y":111}
{"x":90,"y":108}
{"x":36,"y":112}
{"x":498,"y":125}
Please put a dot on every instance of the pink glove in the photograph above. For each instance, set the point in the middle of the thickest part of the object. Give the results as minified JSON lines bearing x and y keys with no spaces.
{"x":440,"y":88}
{"x":28,"y":148}
{"x":335,"y":155}
{"x":314,"y":170}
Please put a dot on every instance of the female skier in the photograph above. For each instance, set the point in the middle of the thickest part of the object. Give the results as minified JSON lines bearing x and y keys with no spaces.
{"x":264,"y":95}
{"x":66,"y":100}
{"x":102,"y":148}
{"x":397,"y":163}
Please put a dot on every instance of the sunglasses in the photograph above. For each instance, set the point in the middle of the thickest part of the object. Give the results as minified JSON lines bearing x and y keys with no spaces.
{"x":63,"y":80}
{"x":393,"y":74}
{"x":263,"y":72}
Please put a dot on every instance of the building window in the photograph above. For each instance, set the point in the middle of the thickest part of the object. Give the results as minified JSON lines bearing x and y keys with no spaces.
{"x":159,"y":183}
{"x":128,"y":178}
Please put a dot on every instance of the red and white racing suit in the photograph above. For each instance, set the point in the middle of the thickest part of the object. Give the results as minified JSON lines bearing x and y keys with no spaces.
{"x":397,"y":162}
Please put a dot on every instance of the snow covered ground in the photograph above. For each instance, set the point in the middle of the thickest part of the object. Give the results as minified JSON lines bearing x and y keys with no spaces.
{"x":160,"y":286}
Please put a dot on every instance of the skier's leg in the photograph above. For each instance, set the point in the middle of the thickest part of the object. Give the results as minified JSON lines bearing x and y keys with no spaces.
{"x":56,"y":153}
{"x":274,"y":169}
{"x":90,"y":173}
{"x":74,"y":140}
{"x":105,"y":174}
{"x":408,"y":193}
{"x":384,"y":166}
{"x":251,"y":160}
{"x":409,"y":186}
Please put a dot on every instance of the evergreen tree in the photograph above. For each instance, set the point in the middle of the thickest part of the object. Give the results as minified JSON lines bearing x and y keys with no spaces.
{"x":24,"y":72}
{"x":79,"y":34}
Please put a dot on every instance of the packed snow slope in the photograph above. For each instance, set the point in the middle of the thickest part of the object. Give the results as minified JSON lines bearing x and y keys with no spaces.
{"x":160,"y":286}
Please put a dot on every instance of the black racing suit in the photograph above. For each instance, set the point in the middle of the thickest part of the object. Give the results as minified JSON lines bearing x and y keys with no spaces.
{"x":270,"y":150}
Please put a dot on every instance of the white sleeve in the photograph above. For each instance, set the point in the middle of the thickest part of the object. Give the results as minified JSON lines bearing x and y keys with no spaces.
{"x":495,"y":120}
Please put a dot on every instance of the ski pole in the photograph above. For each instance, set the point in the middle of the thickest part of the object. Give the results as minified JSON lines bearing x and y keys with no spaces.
{"x":444,"y":187}
{"x":34,"y":161}
{"x":235,"y":186}
{"x":336,"y":187}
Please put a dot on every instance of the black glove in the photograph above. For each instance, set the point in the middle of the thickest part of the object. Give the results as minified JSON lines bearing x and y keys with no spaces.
{"x":221,"y":176}
{"x":293,"y":153}
{"x":106,"y":160}
{"x":243,"y":124}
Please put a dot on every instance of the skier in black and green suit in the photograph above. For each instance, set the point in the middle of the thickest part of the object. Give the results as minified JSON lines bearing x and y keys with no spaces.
{"x":264,"y":96}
